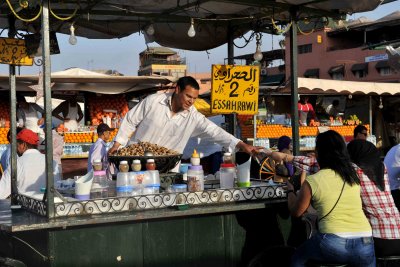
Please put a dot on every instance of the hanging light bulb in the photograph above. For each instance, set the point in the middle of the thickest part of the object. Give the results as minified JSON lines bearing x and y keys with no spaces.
{"x":258,"y":55}
{"x":150,"y":29}
{"x":380,"y":103}
{"x":350,"y":96}
{"x":72,"y":38}
{"x":191,"y":31}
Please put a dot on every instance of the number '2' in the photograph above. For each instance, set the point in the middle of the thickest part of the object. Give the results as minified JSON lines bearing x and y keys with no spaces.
{"x":234,"y":86}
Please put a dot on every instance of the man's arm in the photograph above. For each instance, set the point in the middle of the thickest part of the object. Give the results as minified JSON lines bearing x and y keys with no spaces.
{"x":80,"y":113}
{"x":37,"y":108}
{"x":59,"y":109}
{"x":219,"y":135}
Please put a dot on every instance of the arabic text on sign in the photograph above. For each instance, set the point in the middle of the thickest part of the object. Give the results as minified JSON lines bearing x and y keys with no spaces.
{"x":13,"y":52}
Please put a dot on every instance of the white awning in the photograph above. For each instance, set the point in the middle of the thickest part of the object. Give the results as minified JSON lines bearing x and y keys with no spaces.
{"x":322,"y":86}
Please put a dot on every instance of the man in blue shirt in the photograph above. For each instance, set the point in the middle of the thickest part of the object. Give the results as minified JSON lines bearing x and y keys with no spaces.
{"x":99,"y":149}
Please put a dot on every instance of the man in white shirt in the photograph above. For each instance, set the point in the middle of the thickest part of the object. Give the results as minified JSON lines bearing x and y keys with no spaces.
{"x":392,"y":163}
{"x":31,"y":166}
{"x":169,"y":120}
{"x":99,"y":149}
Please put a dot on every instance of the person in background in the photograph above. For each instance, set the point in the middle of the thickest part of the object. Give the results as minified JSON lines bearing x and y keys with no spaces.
{"x":378,"y":204}
{"x":71,"y":113}
{"x":333,"y":109}
{"x":360,"y":132}
{"x":58,"y":147}
{"x":31,"y":166}
{"x":169,"y":120}
{"x":6,"y":156}
{"x":99,"y":149}
{"x":28,"y":115}
{"x":392,"y":162}
{"x":345,"y":234}
{"x":305,"y":110}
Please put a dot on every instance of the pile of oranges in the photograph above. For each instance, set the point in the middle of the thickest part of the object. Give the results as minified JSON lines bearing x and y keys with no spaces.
{"x":85,"y":137}
{"x":97,"y":105}
{"x":277,"y":130}
{"x":3,"y":135}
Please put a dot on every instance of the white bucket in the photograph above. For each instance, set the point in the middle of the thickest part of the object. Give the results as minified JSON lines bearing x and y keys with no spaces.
{"x":83,"y":185}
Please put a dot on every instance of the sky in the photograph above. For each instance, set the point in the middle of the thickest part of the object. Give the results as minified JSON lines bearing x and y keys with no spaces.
{"x":123,"y":54}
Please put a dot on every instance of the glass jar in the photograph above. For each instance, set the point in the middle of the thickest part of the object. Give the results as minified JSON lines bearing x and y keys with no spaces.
{"x":123,"y":166}
{"x":99,"y":187}
{"x":195,"y":178}
{"x":97,"y":165}
{"x":227,"y":175}
{"x":136,"y":165}
{"x":150,"y":165}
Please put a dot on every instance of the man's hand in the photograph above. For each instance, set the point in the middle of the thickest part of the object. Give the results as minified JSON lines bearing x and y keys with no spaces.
{"x":40,"y":121}
{"x":249,"y":149}
{"x":114,"y":148}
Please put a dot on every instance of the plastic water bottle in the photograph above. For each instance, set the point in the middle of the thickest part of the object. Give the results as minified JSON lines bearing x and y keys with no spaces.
{"x":100,"y":185}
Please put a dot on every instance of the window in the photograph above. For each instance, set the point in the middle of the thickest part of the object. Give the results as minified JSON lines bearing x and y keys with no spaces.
{"x":385,"y":71}
{"x":337,"y":76}
{"x":360,"y":73}
{"x":304,"y":49}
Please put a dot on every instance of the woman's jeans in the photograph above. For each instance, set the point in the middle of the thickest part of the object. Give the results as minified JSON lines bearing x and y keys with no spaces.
{"x":334,"y":249}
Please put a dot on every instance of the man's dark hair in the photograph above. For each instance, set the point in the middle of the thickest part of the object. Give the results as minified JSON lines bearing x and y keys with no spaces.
{"x":9,"y":133}
{"x":359,"y":129}
{"x":185,"y":81}
{"x":29,"y":146}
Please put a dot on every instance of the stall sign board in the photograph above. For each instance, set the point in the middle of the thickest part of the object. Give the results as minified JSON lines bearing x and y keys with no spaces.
{"x":234,"y":89}
{"x":13,"y":52}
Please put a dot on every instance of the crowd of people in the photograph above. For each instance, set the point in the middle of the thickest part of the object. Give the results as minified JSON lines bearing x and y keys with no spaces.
{"x":355,"y":196}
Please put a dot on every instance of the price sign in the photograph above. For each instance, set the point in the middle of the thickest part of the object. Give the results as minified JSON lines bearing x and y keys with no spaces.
{"x":13,"y":52}
{"x":234,"y":89}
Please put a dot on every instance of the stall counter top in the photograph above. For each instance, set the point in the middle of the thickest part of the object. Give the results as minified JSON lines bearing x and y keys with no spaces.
{"x":22,"y":220}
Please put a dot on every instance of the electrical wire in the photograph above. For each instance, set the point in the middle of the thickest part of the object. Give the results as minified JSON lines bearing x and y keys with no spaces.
{"x":45,"y":258}
{"x":65,"y":18}
{"x":23,"y":19}
{"x":278,"y":30}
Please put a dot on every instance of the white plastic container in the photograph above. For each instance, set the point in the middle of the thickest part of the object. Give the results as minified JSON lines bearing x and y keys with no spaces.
{"x":195,"y":178}
{"x":227,"y":175}
{"x":100,"y":185}
{"x":123,"y":187}
{"x":151,"y":189}
{"x":153,"y":177}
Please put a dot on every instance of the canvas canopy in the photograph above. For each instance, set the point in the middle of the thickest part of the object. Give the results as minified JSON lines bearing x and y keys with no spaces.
{"x":76,"y":79}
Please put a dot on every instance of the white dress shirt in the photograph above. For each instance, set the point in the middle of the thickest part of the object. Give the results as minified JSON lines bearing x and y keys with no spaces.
{"x":152,"y":121}
{"x":392,"y":162}
{"x":31,"y":173}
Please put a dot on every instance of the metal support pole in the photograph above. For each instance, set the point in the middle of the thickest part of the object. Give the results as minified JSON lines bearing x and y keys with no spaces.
{"x":13,"y":116}
{"x":370,"y":114}
{"x":294,"y":82}
{"x":232,"y":119}
{"x":47,"y":108}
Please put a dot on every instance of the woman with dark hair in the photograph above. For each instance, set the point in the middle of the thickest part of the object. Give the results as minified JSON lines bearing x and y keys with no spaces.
{"x":345,"y":234}
{"x":378,"y":204}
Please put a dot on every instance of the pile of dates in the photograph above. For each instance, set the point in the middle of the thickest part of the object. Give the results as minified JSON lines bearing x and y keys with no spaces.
{"x":138,"y":149}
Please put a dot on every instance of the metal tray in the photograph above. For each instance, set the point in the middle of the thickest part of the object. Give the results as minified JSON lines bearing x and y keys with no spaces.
{"x":163,"y":163}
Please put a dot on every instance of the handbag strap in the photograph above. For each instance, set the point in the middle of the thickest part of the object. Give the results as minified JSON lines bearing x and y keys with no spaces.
{"x":341,"y":192}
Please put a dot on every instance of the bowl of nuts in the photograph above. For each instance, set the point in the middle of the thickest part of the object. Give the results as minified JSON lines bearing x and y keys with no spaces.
{"x":165,"y":159}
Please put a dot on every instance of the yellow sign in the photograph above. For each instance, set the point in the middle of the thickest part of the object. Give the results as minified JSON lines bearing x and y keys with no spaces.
{"x":234,"y":89}
{"x":13,"y":52}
